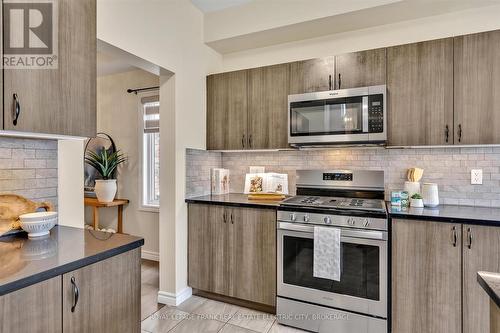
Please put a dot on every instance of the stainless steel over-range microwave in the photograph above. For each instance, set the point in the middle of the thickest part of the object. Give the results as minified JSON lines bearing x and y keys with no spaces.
{"x":347,"y":116}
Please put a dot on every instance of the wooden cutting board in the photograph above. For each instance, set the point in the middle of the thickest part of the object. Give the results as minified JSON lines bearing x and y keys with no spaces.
{"x":13,"y":205}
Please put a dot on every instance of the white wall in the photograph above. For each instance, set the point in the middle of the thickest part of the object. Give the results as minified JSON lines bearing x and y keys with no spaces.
{"x":118,"y":115}
{"x":169,"y":34}
{"x":459,"y":23}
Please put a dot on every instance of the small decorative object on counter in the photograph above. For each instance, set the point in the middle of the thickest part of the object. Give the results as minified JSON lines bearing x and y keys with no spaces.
{"x":430,"y":195}
{"x":12,"y":206}
{"x":416,"y":201}
{"x":396,"y":198}
{"x":266,"y":183}
{"x":405,"y":202}
{"x":105,"y":164}
{"x":412,"y":186}
{"x":219,"y":181}
{"x":38,"y":224}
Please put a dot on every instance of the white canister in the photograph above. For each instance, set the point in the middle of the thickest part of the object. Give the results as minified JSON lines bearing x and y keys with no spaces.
{"x":430,"y":194}
{"x":412,"y":188}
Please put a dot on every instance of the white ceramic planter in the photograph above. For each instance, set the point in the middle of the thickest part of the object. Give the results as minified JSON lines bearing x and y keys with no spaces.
{"x":105,"y":190}
{"x":416,"y":203}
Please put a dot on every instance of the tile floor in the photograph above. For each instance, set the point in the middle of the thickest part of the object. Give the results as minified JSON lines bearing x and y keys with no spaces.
{"x":197,"y":314}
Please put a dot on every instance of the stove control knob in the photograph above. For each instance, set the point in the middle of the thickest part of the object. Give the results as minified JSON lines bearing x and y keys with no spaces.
{"x":327,"y":220}
{"x":306,"y":218}
{"x":366,"y":223}
{"x":293,"y":217}
{"x":351,"y":221}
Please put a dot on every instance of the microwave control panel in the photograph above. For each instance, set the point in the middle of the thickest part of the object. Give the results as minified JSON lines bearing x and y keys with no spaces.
{"x":376,"y":113}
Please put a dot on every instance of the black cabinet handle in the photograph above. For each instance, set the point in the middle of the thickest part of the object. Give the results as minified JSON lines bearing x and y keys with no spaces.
{"x":459,"y":132}
{"x":17,"y":109}
{"x":454,"y":236}
{"x":330,"y":82}
{"x":447,"y":133}
{"x":250,"y":141}
{"x":224,"y":217}
{"x":340,"y":81}
{"x":243,"y":140}
{"x":469,"y":238}
{"x":76,"y":294}
{"x":232,"y":221}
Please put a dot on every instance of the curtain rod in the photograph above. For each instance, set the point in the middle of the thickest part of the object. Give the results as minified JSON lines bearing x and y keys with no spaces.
{"x":135,"y":91}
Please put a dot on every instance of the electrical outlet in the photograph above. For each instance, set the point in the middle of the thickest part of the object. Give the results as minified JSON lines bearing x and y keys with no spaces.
{"x":476,"y":176}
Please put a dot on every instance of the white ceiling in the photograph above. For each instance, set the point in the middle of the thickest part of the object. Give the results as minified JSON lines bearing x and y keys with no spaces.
{"x":208,"y":6}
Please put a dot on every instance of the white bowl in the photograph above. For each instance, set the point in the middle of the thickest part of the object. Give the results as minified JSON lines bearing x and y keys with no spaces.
{"x":38,"y":224}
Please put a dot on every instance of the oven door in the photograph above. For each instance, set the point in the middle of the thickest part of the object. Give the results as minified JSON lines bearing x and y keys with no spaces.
{"x":363,"y":284}
{"x":324,"y":119}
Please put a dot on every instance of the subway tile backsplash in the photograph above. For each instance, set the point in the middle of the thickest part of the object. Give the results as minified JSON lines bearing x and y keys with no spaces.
{"x":448,"y":167}
{"x":28,"y":167}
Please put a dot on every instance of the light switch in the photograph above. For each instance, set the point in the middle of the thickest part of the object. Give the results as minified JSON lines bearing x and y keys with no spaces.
{"x":476,"y":176}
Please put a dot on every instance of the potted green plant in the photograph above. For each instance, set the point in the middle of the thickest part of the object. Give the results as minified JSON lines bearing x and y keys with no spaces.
{"x":105,"y":164}
{"x":416,"y":201}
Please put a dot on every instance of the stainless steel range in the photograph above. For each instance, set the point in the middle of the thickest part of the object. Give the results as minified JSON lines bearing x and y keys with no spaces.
{"x":353,"y":202}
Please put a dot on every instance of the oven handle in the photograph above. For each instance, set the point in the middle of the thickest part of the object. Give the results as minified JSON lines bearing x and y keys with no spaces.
{"x":345,"y":232}
{"x":365,"y":114}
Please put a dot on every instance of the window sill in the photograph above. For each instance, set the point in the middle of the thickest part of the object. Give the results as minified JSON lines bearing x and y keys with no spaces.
{"x":150,"y":209}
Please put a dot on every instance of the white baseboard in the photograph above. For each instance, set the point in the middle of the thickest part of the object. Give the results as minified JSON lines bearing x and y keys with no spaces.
{"x":172,"y":299}
{"x":150,"y":255}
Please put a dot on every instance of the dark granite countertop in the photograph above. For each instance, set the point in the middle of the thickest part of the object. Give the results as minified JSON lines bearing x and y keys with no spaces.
{"x":24,"y":261}
{"x":491,"y":284}
{"x":234,"y":199}
{"x":450,"y":213}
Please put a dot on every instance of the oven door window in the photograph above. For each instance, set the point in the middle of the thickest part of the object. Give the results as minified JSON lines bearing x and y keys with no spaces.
{"x":360,"y":268}
{"x":323,"y":117}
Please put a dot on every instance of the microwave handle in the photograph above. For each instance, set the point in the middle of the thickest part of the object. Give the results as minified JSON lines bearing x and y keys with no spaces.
{"x":345,"y":232}
{"x":365,"y":114}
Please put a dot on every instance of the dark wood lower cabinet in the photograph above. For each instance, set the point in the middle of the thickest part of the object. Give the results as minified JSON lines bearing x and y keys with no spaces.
{"x":426,"y":284}
{"x":109,"y":296}
{"x":232,"y":252}
{"x":34,"y":309}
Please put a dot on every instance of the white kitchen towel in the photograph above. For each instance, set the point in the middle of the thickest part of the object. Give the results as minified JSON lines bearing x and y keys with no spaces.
{"x":326,"y":253}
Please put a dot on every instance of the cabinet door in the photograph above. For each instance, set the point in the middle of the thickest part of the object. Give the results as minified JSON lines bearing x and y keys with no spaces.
{"x":210,"y":246}
{"x":62,"y":100}
{"x":267,"y":107}
{"x":34,"y":309}
{"x":477,"y":97}
{"x":311,"y":75}
{"x":255,"y":255}
{"x":109,"y":296}
{"x":227,"y":111}
{"x":360,"y":69}
{"x":426,"y":265}
{"x":420,"y":93}
{"x":481,"y":253}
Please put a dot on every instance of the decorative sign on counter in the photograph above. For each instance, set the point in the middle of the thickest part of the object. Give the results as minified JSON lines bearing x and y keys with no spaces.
{"x":266,"y":183}
{"x":219,"y":181}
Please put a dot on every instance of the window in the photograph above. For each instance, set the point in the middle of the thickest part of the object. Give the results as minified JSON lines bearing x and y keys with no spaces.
{"x":151,"y":152}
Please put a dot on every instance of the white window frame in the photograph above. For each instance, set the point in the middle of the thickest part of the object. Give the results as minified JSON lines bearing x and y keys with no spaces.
{"x":144,"y":173}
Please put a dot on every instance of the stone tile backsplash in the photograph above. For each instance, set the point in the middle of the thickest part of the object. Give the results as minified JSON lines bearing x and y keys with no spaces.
{"x":28,"y":167}
{"x":448,"y":167}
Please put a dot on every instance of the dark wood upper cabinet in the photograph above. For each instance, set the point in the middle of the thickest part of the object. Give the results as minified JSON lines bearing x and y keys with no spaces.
{"x":426,"y":284}
{"x":227,"y":111}
{"x":267,"y":107}
{"x":311,"y":75}
{"x":481,"y":252}
{"x":420,"y":93}
{"x":62,"y":100}
{"x":477,"y":88}
{"x":360,"y":69}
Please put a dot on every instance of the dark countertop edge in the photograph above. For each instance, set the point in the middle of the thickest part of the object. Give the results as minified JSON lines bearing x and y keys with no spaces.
{"x":259,"y":204}
{"x":430,"y":218}
{"x":74,"y":265}
{"x":493,"y":295}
